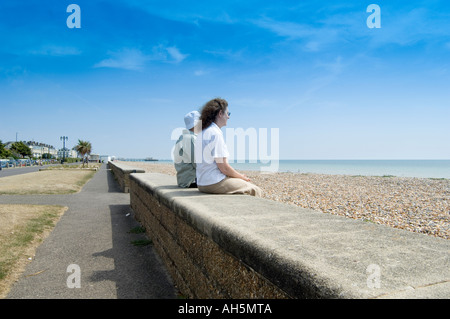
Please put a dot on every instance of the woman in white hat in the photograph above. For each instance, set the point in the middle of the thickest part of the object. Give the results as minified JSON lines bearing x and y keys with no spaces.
{"x":183,"y":152}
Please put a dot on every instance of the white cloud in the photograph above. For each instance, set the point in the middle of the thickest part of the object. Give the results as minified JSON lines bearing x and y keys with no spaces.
{"x":401,"y":27}
{"x":312,"y":46}
{"x":226,"y":54}
{"x":135,"y":59}
{"x":128,"y":59}
{"x":175,"y":54}
{"x":167,"y":54}
{"x":203,"y":71}
{"x":200,"y":72}
{"x":314,"y":38}
{"x":55,"y":50}
{"x":286,"y":29}
{"x":334,"y":67}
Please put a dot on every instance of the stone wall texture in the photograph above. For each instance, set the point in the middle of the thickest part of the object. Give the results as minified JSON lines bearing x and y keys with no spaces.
{"x":198,"y":266}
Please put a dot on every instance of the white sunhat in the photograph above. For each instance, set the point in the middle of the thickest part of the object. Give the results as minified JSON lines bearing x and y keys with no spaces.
{"x":191,"y":119}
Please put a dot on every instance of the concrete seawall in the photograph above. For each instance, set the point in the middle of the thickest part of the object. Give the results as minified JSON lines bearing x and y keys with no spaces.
{"x":122,"y":174}
{"x":237,"y":246}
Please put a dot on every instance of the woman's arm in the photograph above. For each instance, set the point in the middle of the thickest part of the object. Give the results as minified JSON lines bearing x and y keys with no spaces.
{"x":229,"y":171}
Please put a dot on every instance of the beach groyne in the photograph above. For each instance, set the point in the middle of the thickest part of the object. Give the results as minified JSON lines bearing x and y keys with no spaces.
{"x":237,"y":246}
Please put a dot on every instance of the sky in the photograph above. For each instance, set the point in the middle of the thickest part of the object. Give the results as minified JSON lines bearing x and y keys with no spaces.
{"x":317,"y":74}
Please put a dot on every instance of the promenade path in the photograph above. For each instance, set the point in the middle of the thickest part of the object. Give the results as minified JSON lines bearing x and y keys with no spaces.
{"x":94,"y":234}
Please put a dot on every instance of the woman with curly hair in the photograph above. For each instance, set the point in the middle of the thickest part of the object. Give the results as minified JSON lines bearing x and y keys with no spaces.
{"x":214,"y":173}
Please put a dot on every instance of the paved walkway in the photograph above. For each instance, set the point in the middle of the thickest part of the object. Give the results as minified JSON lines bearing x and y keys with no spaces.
{"x":93,"y":234}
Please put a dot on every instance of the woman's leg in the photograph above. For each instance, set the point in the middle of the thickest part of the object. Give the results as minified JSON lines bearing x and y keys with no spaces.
{"x":232,"y":186}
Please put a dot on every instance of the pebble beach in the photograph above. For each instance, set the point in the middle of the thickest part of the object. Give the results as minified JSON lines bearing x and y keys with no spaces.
{"x":419,"y":205}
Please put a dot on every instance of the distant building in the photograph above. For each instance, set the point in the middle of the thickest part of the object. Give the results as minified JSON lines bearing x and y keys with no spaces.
{"x":43,"y":151}
{"x":106,"y":158}
{"x":94,"y":158}
{"x":38,"y":150}
{"x":66,"y":153}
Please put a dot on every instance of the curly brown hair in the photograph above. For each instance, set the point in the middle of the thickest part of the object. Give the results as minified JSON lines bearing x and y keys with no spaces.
{"x":210,"y":110}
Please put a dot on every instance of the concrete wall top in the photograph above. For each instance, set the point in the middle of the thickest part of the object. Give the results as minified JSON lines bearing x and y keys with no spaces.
{"x":127,"y":169}
{"x":296,"y":248}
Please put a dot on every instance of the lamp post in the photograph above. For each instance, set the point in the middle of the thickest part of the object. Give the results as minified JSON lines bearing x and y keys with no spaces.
{"x":64,"y":139}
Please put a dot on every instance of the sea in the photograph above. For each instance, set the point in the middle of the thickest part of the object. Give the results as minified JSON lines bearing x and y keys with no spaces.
{"x":400,"y":168}
{"x":439,"y":169}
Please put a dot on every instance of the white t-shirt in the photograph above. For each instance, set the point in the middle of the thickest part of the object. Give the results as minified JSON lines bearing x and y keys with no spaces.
{"x":209,"y":145}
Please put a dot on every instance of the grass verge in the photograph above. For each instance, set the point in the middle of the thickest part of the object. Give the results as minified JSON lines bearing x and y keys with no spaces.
{"x":22,"y":229}
{"x":45,"y":182}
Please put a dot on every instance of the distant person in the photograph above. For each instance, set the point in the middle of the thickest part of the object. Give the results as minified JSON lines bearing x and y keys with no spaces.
{"x":183,"y":153}
{"x":214,"y":173}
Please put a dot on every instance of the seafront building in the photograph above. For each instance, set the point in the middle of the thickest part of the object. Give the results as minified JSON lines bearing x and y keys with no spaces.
{"x":45,"y":151}
{"x":42,"y":150}
{"x":66,"y":153}
{"x":39,"y":150}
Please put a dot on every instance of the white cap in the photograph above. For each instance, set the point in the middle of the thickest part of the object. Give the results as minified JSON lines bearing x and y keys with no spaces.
{"x":191,"y":119}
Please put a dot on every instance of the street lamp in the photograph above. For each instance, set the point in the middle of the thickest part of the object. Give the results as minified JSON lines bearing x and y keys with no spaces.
{"x":64,"y":139}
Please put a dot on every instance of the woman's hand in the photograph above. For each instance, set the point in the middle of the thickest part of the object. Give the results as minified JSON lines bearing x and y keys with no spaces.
{"x":245,"y":178}
{"x":229,"y":171}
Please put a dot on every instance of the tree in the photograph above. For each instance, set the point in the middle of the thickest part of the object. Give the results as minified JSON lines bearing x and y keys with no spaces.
{"x":4,"y":153}
{"x":21,"y":148}
{"x":83,"y":148}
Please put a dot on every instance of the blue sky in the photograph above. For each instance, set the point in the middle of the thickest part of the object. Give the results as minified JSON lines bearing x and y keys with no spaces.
{"x":334,"y":88}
